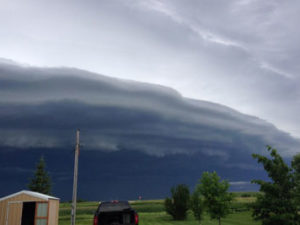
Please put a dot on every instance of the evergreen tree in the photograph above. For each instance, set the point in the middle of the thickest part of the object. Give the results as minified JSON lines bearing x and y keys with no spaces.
{"x":276,"y":205}
{"x":41,"y":181}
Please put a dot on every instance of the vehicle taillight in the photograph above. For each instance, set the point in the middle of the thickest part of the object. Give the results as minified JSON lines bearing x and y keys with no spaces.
{"x":136,"y":219}
{"x":95,"y":220}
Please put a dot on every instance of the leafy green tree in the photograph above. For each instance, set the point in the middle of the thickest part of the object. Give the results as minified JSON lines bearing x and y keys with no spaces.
{"x":178,"y":205}
{"x":296,"y":170}
{"x":41,"y":181}
{"x":276,"y":205}
{"x":197,"y":205}
{"x":216,"y":197}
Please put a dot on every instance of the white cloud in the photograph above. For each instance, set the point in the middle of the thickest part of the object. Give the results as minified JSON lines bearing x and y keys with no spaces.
{"x":239,"y":183}
{"x":276,"y":71}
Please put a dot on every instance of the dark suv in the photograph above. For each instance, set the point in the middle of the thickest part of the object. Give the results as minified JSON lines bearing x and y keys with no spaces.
{"x":115,"y":213}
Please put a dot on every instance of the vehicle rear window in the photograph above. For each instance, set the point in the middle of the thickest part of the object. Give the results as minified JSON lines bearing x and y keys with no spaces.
{"x":113,"y":206}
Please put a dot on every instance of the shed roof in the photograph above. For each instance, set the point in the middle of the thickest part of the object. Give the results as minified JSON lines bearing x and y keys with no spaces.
{"x":31,"y":193}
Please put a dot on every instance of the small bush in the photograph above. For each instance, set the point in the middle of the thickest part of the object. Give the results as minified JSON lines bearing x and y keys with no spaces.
{"x":178,"y":205}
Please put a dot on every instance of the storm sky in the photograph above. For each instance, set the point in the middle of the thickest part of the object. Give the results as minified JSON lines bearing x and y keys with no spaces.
{"x":243,"y":54}
{"x":161,"y":90}
{"x":136,"y":138}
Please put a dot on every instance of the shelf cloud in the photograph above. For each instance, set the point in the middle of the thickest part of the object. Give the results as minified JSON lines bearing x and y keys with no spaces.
{"x":41,"y":107}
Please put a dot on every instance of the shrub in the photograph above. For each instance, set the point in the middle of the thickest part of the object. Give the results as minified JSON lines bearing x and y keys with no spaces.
{"x":178,"y":205}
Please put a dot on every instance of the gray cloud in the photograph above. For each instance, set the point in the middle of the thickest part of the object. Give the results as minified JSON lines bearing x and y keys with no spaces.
{"x":239,"y":183}
{"x":239,"y":53}
{"x":42,"y":107}
{"x":250,"y":54}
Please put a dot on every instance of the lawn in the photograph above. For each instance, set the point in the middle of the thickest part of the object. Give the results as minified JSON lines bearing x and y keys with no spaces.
{"x":152,"y":212}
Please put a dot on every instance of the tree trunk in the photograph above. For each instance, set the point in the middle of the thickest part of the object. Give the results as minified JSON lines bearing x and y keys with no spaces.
{"x":219,"y":220}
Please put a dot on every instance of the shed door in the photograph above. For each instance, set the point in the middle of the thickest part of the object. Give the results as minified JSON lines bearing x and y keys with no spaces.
{"x":14,"y":213}
{"x":41,"y":216}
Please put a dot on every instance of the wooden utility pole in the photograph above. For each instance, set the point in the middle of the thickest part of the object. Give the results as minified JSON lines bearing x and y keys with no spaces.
{"x":74,"y":199}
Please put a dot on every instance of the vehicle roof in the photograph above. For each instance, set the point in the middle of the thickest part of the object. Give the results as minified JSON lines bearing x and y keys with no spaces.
{"x":114,"y":206}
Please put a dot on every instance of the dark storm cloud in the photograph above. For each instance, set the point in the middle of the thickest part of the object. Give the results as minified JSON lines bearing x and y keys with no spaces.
{"x":42,"y":107}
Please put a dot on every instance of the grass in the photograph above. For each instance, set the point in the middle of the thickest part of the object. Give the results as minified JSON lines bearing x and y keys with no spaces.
{"x":241,"y":218}
{"x":152,"y":212}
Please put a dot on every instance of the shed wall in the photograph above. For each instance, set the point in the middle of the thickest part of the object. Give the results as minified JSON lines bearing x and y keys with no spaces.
{"x":14,"y":217}
{"x":53,"y":212}
{"x":2,"y":213}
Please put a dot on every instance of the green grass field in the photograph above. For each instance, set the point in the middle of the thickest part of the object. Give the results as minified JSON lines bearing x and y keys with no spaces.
{"x":152,"y":212}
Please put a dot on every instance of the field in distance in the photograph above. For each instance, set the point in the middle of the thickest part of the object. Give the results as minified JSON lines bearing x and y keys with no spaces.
{"x":153,"y":212}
